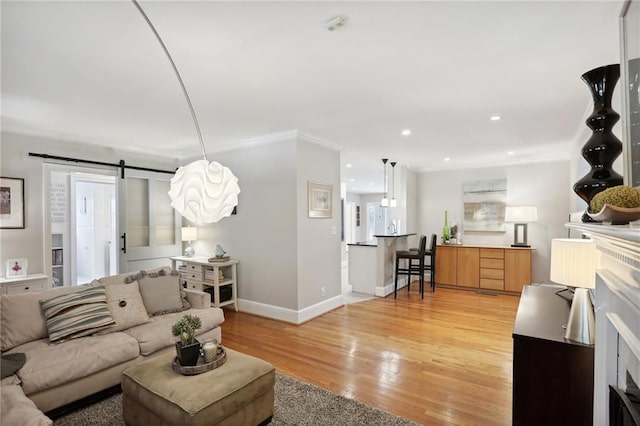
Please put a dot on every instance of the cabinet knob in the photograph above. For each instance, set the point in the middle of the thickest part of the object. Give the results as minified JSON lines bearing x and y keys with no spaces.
{"x":26,"y":288}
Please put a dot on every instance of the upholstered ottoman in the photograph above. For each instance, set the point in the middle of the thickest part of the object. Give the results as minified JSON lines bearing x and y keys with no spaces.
{"x":240,"y":392}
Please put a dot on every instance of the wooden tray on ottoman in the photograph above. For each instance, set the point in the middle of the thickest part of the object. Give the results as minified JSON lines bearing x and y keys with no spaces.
{"x":201,"y":367}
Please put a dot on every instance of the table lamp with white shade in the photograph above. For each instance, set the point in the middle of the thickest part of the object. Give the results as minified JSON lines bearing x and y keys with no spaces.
{"x":520,"y":216}
{"x":573,"y":263}
{"x":189,"y":233}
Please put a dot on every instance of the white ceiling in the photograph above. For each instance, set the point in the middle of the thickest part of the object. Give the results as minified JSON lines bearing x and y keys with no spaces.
{"x":93,"y":72}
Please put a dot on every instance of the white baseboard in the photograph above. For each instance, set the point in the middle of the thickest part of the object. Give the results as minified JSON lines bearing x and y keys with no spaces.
{"x":388,"y":289}
{"x":290,"y":315}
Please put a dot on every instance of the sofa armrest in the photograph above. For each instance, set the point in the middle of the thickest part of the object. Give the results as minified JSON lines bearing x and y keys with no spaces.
{"x":17,"y":409}
{"x":198,"y":299}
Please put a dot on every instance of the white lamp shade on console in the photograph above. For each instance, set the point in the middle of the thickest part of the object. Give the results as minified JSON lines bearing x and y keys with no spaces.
{"x":189,"y":234}
{"x":517,"y":214}
{"x":574,"y":263}
{"x":520,"y":217}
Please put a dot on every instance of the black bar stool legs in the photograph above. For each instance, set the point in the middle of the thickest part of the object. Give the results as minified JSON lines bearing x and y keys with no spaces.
{"x":411,"y":268}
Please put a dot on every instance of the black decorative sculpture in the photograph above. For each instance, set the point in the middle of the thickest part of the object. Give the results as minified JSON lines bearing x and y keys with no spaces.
{"x":603,"y":147}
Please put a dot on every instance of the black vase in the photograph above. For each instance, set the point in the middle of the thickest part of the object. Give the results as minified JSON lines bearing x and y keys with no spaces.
{"x":603,"y":147}
{"x":188,"y":355}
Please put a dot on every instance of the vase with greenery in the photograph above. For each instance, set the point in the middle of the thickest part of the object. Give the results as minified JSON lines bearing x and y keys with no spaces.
{"x":188,"y":348}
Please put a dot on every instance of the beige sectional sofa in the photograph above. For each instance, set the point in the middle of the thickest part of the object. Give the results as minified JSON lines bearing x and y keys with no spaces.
{"x":143,"y":307}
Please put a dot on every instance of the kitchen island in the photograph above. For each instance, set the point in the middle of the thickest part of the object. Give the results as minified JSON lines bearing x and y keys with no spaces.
{"x":372,"y":264}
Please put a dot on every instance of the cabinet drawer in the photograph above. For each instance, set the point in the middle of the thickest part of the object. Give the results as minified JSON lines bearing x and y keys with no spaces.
{"x":190,"y":275}
{"x":190,"y":267}
{"x":496,"y":253}
{"x":496,"y":274}
{"x":491,"y":284}
{"x":24,"y":287}
{"x":192,"y":285}
{"x":491,"y":263}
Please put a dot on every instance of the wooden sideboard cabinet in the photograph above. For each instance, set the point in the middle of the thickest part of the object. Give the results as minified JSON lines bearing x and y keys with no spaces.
{"x":552,"y":378}
{"x":502,"y":269}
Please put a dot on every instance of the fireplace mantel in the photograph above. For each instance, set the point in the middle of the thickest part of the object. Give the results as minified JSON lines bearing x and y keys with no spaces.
{"x":617,"y":308}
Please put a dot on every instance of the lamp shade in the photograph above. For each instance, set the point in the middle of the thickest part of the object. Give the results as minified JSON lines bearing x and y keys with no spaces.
{"x":574,"y":262}
{"x":516,"y":214}
{"x":189,"y":233}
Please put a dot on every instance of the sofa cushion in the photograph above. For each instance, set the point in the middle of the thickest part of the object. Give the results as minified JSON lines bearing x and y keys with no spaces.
{"x":112,"y":279}
{"x":126,"y":306}
{"x":76,"y":314}
{"x":50,"y":365}
{"x":157,"y":335}
{"x":17,"y":409}
{"x":160,"y":289}
{"x":21,"y":318}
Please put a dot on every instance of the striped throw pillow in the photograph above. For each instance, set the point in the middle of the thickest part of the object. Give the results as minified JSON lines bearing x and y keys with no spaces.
{"x":76,"y":314}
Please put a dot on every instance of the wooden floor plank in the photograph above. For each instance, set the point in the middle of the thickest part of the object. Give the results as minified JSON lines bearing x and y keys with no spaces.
{"x":446,"y":359}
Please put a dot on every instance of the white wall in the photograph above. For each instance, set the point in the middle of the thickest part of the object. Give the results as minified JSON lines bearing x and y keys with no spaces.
{"x":412,"y":221}
{"x":31,"y":242}
{"x":285,"y":256}
{"x":319,"y":248}
{"x":263,"y":233}
{"x":543,"y":185}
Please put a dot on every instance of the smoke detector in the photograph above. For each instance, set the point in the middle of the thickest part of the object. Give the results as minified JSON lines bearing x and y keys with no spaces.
{"x":335,"y":22}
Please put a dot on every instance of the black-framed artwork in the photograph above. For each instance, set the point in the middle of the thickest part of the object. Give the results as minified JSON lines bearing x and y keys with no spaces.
{"x":11,"y":203}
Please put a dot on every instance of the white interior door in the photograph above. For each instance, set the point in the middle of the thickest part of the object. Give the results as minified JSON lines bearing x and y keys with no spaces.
{"x":149,"y":228}
{"x":93,"y":227}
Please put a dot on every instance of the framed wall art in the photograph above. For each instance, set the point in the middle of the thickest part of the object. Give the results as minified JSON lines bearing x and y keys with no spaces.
{"x":11,"y":203}
{"x":320,"y":196}
{"x":16,"y":268}
{"x":484,"y":205}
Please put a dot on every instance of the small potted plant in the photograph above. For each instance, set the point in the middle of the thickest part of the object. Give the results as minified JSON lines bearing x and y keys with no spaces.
{"x":188,"y":348}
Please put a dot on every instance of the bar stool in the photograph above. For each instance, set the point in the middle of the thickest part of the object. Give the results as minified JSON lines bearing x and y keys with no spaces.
{"x":431,"y":266}
{"x":411,"y":268}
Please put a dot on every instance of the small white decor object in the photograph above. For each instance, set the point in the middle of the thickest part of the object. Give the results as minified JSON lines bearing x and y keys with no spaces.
{"x":16,"y":268}
{"x":209,"y":351}
{"x":204,"y":192}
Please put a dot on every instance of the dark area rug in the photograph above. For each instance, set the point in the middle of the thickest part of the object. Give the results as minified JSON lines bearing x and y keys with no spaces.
{"x":297,"y":403}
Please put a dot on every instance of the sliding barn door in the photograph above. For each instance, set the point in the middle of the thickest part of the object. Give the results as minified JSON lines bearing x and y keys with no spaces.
{"x":149,"y":228}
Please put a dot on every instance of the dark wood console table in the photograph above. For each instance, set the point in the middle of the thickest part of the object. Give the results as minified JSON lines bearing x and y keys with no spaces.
{"x":552,"y":378}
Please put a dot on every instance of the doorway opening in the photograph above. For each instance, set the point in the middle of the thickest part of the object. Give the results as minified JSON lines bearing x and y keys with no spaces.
{"x":93,"y":227}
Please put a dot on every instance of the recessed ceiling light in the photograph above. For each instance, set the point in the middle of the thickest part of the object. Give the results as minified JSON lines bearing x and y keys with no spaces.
{"x":495,"y":118}
{"x":349,"y":166}
{"x":511,"y":152}
{"x":352,"y":180}
{"x":406,"y":132}
{"x":370,"y":183}
{"x":447,"y":159}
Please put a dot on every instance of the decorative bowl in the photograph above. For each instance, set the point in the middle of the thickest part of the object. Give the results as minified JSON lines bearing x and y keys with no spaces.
{"x":616,"y":215}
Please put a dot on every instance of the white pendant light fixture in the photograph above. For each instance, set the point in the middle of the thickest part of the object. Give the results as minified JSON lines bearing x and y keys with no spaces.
{"x":201,"y":192}
{"x":393,"y":202}
{"x":385,"y":201}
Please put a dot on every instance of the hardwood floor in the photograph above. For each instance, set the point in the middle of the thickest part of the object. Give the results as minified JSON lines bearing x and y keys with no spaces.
{"x":444,"y":360}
